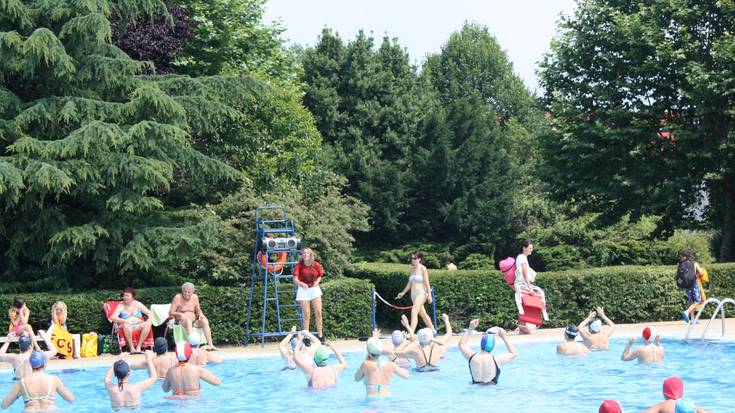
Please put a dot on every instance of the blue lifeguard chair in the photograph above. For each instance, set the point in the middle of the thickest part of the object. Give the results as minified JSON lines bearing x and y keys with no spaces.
{"x":275,"y":234}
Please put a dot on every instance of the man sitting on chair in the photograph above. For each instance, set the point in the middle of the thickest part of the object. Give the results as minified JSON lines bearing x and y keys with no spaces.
{"x":186,"y":311}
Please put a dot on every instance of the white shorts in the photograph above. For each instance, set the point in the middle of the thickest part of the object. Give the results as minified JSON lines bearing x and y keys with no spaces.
{"x":308,"y":294}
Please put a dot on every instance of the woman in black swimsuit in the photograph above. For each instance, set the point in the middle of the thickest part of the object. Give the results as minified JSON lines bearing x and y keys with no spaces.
{"x":484,"y":366}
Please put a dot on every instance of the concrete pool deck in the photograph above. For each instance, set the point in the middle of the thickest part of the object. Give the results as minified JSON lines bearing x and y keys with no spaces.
{"x":671,"y":329}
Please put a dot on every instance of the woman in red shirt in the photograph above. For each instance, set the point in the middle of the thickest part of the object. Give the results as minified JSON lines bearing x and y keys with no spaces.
{"x":307,"y":274}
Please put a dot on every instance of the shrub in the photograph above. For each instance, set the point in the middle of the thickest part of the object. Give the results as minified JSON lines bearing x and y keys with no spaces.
{"x":347,"y":310}
{"x":630,"y":294}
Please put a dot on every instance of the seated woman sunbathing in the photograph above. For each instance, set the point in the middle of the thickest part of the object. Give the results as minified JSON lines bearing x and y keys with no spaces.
{"x":131,"y":315}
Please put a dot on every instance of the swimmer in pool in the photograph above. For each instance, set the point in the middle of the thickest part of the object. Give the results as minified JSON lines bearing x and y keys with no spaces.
{"x":650,"y":352}
{"x":375,"y":372}
{"x":124,"y":394}
{"x":426,"y":351}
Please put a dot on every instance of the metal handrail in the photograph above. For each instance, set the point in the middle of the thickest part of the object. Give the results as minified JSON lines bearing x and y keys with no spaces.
{"x":719,"y":309}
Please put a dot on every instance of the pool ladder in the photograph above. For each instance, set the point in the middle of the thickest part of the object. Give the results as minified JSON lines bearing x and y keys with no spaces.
{"x":719,"y":309}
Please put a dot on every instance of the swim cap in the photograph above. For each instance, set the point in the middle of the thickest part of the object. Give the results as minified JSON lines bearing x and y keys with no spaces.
{"x":160,"y":345}
{"x":610,"y":406}
{"x":685,"y":406}
{"x":37,"y":359}
{"x":397,"y":337}
{"x":293,"y":343}
{"x":320,"y":357}
{"x":571,"y":331}
{"x":673,"y":388}
{"x":487,"y":342}
{"x":121,"y":369}
{"x":648,"y":333}
{"x":425,"y":335}
{"x":194,"y":339}
{"x":596,"y":326}
{"x":24,"y":342}
{"x":183,"y":351}
{"x":374,"y":346}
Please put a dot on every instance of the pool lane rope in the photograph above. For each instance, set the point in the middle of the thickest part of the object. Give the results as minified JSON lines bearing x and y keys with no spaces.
{"x":397,"y":307}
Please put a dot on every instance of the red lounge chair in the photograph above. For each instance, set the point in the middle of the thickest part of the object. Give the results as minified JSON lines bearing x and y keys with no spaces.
{"x":109,"y":308}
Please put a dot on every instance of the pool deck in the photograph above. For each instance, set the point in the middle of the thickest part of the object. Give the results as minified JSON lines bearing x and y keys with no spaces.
{"x":675,"y":329}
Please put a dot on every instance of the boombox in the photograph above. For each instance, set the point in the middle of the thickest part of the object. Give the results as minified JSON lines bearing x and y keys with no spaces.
{"x":281,"y":244}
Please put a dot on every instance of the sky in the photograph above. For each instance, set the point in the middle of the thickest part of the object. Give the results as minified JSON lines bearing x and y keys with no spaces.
{"x":524,"y":28}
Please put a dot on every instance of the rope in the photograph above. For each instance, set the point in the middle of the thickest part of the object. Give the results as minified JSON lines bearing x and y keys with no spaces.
{"x":391,"y":305}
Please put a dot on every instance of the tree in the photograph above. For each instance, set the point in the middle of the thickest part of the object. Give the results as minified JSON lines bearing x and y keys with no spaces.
{"x":156,"y":40}
{"x":89,"y":151}
{"x":641,"y":102}
{"x":366,"y":105}
{"x":231,"y":38}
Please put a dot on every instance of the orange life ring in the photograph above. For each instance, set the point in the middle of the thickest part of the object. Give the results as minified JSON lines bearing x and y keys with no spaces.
{"x":273,"y":268}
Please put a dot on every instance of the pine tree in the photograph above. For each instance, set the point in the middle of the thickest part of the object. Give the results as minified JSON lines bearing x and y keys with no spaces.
{"x":90,"y":151}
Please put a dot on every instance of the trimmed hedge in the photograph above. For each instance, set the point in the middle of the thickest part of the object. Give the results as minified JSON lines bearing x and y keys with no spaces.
{"x":347,"y":311}
{"x":629,"y":294}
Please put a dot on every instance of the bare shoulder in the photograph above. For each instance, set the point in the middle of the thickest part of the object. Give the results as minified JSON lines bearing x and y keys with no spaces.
{"x":177,"y":298}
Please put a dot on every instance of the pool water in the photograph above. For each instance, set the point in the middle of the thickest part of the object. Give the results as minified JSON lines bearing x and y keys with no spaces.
{"x":536,"y":381}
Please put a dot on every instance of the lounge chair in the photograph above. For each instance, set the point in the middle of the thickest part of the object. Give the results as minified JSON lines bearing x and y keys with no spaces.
{"x":110,"y":308}
{"x":160,"y":316}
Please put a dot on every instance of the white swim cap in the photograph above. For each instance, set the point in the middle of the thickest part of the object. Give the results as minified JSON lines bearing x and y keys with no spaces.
{"x":374,"y":346}
{"x":425,"y":335}
{"x":596,"y":326}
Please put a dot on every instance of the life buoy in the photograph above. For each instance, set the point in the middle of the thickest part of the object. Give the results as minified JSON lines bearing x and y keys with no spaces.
{"x":273,"y":268}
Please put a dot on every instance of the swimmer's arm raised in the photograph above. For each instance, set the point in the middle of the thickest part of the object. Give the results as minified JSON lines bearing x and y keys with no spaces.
{"x":512,"y":352}
{"x":108,"y":376}
{"x":463,"y":347}
{"x":601,"y":313}
{"x":582,"y":327}
{"x":284,"y":344}
{"x":52,"y":350}
{"x":152,"y":374}
{"x":342,"y":363}
{"x":627,"y":354}
{"x":443,"y":340}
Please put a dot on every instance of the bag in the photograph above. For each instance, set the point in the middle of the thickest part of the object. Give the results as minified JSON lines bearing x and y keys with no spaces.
{"x":508,"y":268}
{"x":108,"y":344}
{"x":685,"y":274}
{"x":89,"y":345}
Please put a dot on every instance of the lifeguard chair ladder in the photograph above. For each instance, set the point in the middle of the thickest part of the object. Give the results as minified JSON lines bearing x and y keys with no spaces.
{"x":276,"y":284}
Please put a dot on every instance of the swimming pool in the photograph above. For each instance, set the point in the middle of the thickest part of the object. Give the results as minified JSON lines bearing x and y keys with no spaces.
{"x":537,"y":381}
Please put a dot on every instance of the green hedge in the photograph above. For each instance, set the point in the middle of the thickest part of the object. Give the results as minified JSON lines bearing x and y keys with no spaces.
{"x":629,"y":294}
{"x":347,"y":310}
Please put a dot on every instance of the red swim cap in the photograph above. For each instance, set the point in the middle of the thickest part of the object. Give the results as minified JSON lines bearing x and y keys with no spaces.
{"x":183,"y":351}
{"x":647,"y":333}
{"x":610,"y":406}
{"x":673,"y":388}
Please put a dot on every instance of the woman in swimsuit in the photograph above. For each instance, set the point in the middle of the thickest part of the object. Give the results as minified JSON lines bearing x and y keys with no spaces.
{"x":125,"y":394}
{"x":375,"y":372}
{"x":184,"y":379}
{"x":420,"y":288}
{"x":130,"y":315}
{"x":319,"y":373}
{"x":484,"y":366}
{"x":426,"y":350}
{"x":38,"y":390}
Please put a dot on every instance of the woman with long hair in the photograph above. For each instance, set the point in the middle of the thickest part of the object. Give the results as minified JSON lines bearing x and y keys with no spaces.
{"x":306,"y":275}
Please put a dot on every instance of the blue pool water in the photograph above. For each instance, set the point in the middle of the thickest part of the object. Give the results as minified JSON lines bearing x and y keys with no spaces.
{"x":536,"y":381}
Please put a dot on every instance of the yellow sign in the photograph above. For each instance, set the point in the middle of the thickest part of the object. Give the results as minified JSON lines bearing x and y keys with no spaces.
{"x":63,"y":341}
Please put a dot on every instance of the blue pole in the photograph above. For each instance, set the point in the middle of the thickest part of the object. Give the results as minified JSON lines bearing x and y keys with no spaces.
{"x":372,"y":300}
{"x":433,"y":307}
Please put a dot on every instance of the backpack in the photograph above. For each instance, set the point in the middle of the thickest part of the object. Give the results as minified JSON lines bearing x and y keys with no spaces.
{"x":508,"y":268}
{"x":685,"y":274}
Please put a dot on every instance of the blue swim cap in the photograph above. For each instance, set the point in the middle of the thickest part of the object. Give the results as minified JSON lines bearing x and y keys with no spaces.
{"x":37,"y":359}
{"x":685,"y":406}
{"x":121,"y":369}
{"x":24,"y":342}
{"x":293,"y":343}
{"x":160,"y":345}
{"x":487,"y":343}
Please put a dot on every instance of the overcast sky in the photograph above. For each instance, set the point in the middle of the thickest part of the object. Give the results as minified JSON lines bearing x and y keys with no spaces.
{"x":523,"y":28}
